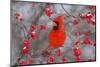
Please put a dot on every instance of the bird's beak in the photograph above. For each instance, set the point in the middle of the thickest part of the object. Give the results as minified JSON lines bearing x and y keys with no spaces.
{"x":54,"y":24}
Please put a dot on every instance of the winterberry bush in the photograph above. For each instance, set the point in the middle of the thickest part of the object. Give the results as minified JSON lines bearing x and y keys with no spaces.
{"x":46,"y":33}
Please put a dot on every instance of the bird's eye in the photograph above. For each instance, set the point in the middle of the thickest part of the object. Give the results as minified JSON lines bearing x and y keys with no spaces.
{"x":57,"y":26}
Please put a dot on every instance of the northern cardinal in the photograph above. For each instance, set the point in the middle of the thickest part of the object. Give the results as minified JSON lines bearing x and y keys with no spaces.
{"x":57,"y":35}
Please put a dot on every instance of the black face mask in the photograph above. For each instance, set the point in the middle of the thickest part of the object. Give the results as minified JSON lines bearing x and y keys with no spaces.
{"x":56,"y":27}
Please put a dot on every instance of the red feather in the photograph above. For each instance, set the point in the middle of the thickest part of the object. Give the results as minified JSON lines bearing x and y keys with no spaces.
{"x":57,"y":35}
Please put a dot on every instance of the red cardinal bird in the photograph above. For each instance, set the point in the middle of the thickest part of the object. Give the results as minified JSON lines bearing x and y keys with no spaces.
{"x":57,"y":35}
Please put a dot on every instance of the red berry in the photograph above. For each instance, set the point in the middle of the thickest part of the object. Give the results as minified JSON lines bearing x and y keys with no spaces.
{"x":42,"y":27}
{"x":25,"y":50}
{"x":89,"y":15}
{"x":26,"y":43}
{"x":18,"y":17}
{"x":59,"y":52}
{"x":78,"y":58}
{"x":87,"y":32}
{"x":17,"y":14}
{"x":48,"y":11}
{"x":52,"y":59}
{"x":30,"y":61}
{"x":76,"y":33}
{"x":33,"y":35}
{"x":77,"y":51}
{"x":22,"y":62}
{"x":83,"y":16}
{"x":64,"y":59}
{"x":93,"y":22}
{"x":91,"y":7}
{"x":90,"y":59}
{"x":86,"y":40}
{"x":21,"y":19}
{"x":88,"y":21}
{"x":76,"y":21}
{"x":94,"y":43}
{"x":32,"y":27}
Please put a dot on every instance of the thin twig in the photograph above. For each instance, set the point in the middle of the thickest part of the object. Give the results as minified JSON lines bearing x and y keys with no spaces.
{"x":21,"y":28}
{"x":24,"y":27}
{"x":67,"y":11}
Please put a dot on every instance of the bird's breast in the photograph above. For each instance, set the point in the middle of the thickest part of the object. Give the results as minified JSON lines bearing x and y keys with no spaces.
{"x":56,"y":38}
